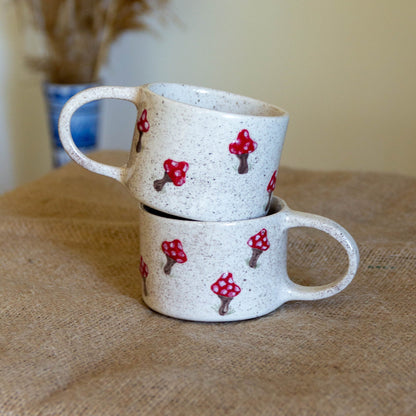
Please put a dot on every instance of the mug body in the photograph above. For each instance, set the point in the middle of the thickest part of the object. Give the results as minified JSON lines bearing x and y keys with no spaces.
{"x":214,"y":271}
{"x":204,"y":154}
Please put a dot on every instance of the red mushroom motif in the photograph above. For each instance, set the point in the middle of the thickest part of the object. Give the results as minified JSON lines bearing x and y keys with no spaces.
{"x":174,"y":254}
{"x":144,"y":272}
{"x":143,"y":127}
{"x":242,"y":147}
{"x":259,"y":243}
{"x":174,"y":172}
{"x":270,"y":188}
{"x":226,"y":290}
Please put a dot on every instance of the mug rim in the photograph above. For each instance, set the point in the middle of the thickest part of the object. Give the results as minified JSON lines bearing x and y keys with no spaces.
{"x":278,"y":203}
{"x":281,"y":113}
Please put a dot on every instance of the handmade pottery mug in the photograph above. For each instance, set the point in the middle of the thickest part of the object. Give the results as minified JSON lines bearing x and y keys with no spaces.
{"x":197,"y":153}
{"x":228,"y":271}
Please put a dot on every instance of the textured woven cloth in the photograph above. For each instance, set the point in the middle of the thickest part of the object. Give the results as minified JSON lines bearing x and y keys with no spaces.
{"x":77,"y":339}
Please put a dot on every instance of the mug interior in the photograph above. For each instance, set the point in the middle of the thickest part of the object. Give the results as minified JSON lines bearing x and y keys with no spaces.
{"x":276,"y":206}
{"x":215,"y":100}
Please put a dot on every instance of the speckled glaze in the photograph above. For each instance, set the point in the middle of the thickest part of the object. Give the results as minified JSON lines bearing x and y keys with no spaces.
{"x":203,"y":130}
{"x":209,"y":253}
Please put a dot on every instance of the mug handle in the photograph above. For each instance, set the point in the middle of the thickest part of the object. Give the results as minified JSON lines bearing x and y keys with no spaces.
{"x":78,"y":100}
{"x":302,"y":219}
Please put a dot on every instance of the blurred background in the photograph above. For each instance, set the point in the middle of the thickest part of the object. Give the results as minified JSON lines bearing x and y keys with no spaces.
{"x":344,"y":70}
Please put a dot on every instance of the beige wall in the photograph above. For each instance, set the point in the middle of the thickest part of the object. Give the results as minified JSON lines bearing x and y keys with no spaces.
{"x":345,"y":71}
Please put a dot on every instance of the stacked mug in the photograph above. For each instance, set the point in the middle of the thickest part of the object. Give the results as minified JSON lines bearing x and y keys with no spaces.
{"x":203,"y":165}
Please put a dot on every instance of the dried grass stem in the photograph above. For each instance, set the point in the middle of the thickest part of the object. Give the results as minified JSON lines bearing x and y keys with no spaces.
{"x":76,"y":35}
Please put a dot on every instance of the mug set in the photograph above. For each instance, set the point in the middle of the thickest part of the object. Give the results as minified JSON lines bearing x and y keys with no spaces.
{"x":203,"y":165}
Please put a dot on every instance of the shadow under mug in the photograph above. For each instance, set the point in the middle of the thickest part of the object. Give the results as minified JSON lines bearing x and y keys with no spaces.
{"x":196,"y":152}
{"x":228,"y":271}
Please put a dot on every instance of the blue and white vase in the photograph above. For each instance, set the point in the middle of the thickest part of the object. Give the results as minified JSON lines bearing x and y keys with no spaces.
{"x":84,"y":123}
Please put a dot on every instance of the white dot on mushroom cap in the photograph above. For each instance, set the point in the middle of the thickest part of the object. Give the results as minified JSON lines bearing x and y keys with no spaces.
{"x":173,"y":253}
{"x":172,"y":244}
{"x":257,"y":237}
{"x":146,"y":125}
{"x":223,"y":292}
{"x":250,"y":243}
{"x":215,"y":288}
{"x":230,"y":280}
{"x":173,"y":163}
{"x":222,"y":283}
{"x":178,"y":173}
{"x":185,"y":167}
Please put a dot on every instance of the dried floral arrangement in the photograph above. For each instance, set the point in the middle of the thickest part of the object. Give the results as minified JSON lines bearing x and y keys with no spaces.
{"x":76,"y":35}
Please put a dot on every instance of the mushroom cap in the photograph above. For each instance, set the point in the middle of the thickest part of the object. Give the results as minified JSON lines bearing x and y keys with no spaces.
{"x":243,"y":144}
{"x":174,"y":250}
{"x":272,"y":183}
{"x":144,"y":270}
{"x":259,"y":240}
{"x":225,"y":286}
{"x":143,"y":124}
{"x":176,"y":171}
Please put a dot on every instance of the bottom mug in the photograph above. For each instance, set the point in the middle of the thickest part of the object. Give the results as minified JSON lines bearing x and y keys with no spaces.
{"x":228,"y":271}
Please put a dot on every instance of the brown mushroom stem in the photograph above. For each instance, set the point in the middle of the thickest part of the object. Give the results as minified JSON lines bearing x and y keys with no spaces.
{"x":139,"y":143}
{"x":254,"y":257}
{"x":169,"y":263}
{"x":225,"y":304}
{"x":160,"y":183}
{"x":243,"y":167}
{"x":269,"y":202}
{"x":144,"y":286}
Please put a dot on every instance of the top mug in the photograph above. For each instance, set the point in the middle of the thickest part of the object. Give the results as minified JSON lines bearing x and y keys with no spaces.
{"x":197,"y":153}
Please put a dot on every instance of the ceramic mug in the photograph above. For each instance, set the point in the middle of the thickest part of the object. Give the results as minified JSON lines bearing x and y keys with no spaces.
{"x":228,"y":271}
{"x":196,"y":153}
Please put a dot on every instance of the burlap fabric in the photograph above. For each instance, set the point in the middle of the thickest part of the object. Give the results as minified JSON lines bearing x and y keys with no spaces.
{"x":76,"y":338}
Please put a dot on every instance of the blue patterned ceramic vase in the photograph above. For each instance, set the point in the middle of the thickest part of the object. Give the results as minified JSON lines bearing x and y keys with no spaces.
{"x":84,"y":123}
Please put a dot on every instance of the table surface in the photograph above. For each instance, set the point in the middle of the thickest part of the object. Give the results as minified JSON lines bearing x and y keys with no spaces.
{"x":77,"y":339}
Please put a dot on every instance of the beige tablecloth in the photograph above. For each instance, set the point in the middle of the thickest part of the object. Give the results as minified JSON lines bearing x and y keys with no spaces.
{"x":76,"y":338}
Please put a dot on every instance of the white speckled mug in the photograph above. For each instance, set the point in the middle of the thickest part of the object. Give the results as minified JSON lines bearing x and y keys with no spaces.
{"x":228,"y":271}
{"x":196,"y":153}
